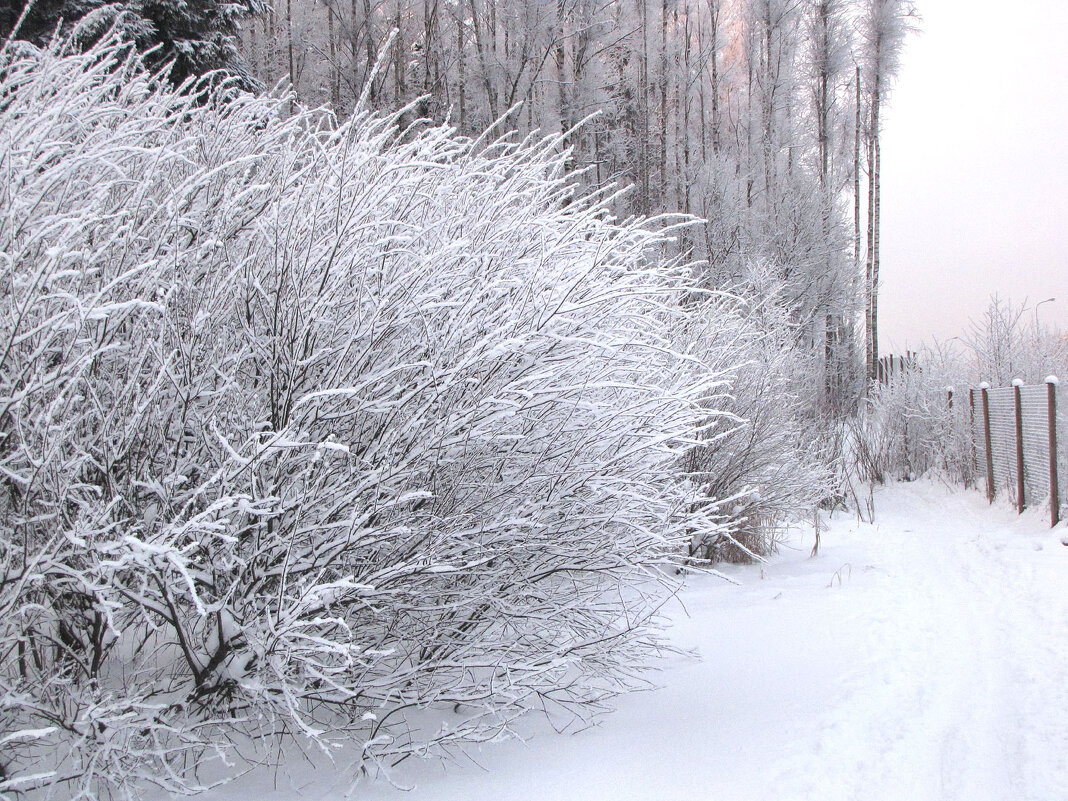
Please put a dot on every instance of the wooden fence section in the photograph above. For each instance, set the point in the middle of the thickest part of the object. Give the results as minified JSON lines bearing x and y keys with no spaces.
{"x":889,"y":366}
{"x":1019,"y":443}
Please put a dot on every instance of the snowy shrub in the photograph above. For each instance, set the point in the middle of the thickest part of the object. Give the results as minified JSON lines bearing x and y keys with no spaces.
{"x":760,"y":467}
{"x":1007,"y":343}
{"x":911,"y":425}
{"x":305,"y":427}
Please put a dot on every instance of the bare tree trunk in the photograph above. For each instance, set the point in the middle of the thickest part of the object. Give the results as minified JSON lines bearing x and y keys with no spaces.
{"x":644,"y":167}
{"x":858,"y":98}
{"x":752,"y":124}
{"x":684,"y":99}
{"x":877,"y":208}
{"x":856,"y":177}
{"x":713,"y":13}
{"x":369,"y":47}
{"x":767,"y":79}
{"x":663,"y":101}
{"x":823,"y":112}
{"x":431,"y":46}
{"x":369,"y":42}
{"x":335,"y":70}
{"x":701,"y":93}
{"x":484,"y":63}
{"x":823,"y":125}
{"x":869,"y":272}
{"x":270,"y":38}
{"x":398,"y":55}
{"x":560,"y":55}
{"x":885,"y":25}
{"x":461,"y":65}
{"x":255,"y":47}
{"x":580,"y":67}
{"x":289,"y":43}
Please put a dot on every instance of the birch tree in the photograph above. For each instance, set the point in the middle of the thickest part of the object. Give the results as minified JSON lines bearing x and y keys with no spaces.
{"x":885,"y":24}
{"x":828,"y":62}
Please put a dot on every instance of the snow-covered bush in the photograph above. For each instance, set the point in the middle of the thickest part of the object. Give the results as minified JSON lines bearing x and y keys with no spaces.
{"x":306,"y":426}
{"x":916,"y":423}
{"x":1008,"y":343}
{"x":761,"y":466}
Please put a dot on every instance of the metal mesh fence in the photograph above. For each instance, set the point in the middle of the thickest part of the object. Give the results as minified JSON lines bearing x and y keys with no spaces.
{"x":978,"y":449}
{"x":1062,"y":452}
{"x":1003,"y":440}
{"x":1003,"y":454}
{"x":1034,"y":407}
{"x":978,"y":441}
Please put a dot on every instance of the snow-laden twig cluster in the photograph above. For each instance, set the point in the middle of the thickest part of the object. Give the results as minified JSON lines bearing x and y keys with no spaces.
{"x":305,"y":426}
{"x":914,"y":425}
{"x":765,"y":464}
{"x":1009,"y":341}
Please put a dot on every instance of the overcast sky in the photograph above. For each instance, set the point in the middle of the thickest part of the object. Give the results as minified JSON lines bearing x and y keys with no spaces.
{"x":975,"y":169}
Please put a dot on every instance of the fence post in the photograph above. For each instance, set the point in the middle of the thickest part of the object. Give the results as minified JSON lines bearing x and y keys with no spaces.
{"x":1054,"y":489}
{"x":1017,"y":403}
{"x":985,"y":387}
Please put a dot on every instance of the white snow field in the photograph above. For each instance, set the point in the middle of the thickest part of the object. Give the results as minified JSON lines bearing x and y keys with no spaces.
{"x":922,"y":657}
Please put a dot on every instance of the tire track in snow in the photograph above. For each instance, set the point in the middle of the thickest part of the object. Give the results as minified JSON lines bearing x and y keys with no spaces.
{"x":957,"y":696}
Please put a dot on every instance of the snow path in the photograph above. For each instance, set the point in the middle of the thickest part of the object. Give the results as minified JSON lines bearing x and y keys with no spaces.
{"x":960,"y":693}
{"x":922,"y":657}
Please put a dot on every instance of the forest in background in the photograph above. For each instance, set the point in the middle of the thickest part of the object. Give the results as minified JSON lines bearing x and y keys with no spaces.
{"x":762,"y":117}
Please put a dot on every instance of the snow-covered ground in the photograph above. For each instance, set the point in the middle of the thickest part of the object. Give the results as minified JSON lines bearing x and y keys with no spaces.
{"x":922,"y":657}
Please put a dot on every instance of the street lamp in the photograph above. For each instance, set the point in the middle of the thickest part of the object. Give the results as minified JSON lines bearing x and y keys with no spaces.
{"x":1035,"y":308}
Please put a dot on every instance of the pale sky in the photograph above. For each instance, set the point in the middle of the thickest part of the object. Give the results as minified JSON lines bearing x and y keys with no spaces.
{"x":975,"y":169}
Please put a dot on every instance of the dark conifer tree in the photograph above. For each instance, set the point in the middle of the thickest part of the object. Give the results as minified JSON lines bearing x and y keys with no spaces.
{"x":196,"y":36}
